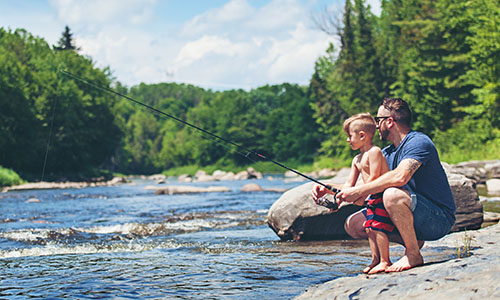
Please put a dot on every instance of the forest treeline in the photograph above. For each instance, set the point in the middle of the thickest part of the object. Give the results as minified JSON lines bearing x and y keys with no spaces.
{"x":442,"y":56}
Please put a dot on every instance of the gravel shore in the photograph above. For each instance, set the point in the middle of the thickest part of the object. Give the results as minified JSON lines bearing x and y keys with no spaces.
{"x":473,"y":277}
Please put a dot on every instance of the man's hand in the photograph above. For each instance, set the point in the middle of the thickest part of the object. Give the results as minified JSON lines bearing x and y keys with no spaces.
{"x":350,"y":195}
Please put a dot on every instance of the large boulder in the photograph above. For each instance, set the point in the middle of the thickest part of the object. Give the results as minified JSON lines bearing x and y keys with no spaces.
{"x":296,"y":216}
{"x":469,"y":212}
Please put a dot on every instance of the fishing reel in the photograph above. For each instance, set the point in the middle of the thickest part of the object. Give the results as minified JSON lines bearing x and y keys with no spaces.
{"x":329,"y":200}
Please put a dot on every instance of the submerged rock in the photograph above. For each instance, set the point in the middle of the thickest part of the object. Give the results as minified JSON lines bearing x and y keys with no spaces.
{"x":184,"y":189}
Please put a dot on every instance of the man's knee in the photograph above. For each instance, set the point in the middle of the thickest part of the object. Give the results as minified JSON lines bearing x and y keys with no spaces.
{"x":395,"y":197}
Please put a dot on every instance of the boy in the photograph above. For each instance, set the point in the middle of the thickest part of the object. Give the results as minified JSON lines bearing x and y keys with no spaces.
{"x":370,"y":163}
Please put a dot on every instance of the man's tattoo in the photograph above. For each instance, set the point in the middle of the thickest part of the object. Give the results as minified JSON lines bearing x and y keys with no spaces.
{"x":413,"y":165}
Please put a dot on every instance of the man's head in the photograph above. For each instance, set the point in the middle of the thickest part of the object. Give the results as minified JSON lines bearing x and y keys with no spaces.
{"x":393,"y":111}
{"x":360,"y":129}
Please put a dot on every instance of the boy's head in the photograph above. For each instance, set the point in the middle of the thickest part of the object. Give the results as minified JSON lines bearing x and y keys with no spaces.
{"x":359,"y":123}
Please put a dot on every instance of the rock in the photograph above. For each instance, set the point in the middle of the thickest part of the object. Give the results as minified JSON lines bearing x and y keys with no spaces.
{"x":251,"y":187}
{"x":157,"y":177}
{"x":491,"y":217}
{"x":117,"y":180}
{"x":326,"y":173}
{"x":295,"y":215}
{"x":492,"y":169}
{"x":185,"y":178}
{"x":250,"y":173}
{"x":184,"y":189}
{"x":478,"y":171}
{"x":493,"y":186}
{"x":469,"y":214}
{"x":473,"y":277}
{"x":33,"y":200}
{"x":254,"y":174}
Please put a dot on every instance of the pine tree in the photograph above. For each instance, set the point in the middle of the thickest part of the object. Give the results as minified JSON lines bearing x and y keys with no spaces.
{"x":66,"y":41}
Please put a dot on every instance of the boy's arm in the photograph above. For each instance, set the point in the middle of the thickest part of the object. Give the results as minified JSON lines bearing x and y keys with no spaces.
{"x":353,"y":175}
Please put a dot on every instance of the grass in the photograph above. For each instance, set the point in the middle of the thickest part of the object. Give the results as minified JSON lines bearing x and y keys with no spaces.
{"x":463,"y":250}
{"x":9,"y":177}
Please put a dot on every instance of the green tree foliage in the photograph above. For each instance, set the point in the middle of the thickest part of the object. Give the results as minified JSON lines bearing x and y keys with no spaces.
{"x":35,"y":97}
{"x":441,"y":56}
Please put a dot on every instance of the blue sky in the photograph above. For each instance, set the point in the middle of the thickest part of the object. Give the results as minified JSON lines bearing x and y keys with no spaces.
{"x":216,"y":44}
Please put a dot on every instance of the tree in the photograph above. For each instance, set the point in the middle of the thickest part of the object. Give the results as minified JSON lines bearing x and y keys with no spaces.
{"x":66,"y":41}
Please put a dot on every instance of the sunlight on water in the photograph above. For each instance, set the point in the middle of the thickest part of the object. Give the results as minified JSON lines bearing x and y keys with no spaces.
{"x":125,"y":242}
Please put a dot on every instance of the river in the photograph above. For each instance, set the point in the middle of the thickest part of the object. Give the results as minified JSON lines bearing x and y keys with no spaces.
{"x":125,"y":242}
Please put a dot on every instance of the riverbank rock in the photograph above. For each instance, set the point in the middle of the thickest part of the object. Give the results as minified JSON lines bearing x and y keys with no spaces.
{"x":253,"y":187}
{"x":185,"y":189}
{"x":296,"y":216}
{"x":218,"y":175}
{"x":64,"y":185}
{"x":469,"y":214}
{"x":493,"y":186}
{"x":473,"y":277}
{"x":478,"y":171}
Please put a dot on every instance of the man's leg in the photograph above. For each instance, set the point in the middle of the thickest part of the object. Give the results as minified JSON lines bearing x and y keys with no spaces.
{"x":397,"y":204}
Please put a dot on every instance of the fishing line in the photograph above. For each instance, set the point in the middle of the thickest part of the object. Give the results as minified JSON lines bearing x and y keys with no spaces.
{"x":48,"y":140}
{"x":248,"y":151}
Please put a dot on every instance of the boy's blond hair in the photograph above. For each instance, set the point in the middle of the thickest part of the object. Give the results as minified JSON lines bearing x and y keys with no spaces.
{"x":361,"y":122}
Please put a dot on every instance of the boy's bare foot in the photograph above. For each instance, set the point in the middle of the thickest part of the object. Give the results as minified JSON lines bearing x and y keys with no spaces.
{"x":406,"y":262}
{"x":373,"y":264}
{"x":381,"y":267}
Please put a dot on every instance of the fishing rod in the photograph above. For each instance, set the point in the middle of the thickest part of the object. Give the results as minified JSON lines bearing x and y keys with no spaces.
{"x":109,"y":90}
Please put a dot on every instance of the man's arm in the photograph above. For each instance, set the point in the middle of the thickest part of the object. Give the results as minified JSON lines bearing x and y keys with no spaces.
{"x":395,"y":178}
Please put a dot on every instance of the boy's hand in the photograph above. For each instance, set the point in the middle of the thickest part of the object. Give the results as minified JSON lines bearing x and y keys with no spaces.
{"x":318,"y":191}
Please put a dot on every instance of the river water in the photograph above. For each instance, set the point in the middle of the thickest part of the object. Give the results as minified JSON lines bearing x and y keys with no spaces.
{"x":124,"y":242}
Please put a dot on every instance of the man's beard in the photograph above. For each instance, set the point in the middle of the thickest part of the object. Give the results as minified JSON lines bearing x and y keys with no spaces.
{"x":383,"y":134}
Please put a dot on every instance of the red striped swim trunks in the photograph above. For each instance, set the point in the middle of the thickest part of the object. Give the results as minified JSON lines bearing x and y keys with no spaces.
{"x":377,"y":217}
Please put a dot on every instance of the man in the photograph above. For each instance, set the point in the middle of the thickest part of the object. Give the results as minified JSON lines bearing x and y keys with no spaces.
{"x":416,"y":192}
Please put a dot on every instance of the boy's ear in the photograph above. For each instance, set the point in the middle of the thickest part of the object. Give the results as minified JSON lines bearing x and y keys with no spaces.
{"x":362,"y":134}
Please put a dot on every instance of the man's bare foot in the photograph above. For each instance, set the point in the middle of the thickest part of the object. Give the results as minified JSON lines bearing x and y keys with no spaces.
{"x":406,"y":262}
{"x":381,"y":267}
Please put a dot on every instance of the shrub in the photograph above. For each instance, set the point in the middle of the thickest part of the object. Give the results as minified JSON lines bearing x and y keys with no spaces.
{"x":9,"y":177}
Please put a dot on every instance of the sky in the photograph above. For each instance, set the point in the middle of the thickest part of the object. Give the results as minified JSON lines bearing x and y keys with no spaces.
{"x":214,"y":44}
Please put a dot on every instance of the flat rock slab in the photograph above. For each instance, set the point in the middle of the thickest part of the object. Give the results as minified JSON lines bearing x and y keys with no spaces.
{"x":184,"y":189}
{"x":474,"y":277}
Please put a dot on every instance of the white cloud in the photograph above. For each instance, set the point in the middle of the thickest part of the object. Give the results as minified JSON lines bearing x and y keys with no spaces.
{"x":234,"y":46}
{"x":218,"y":18}
{"x":198,"y":49}
{"x":267,"y":45}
